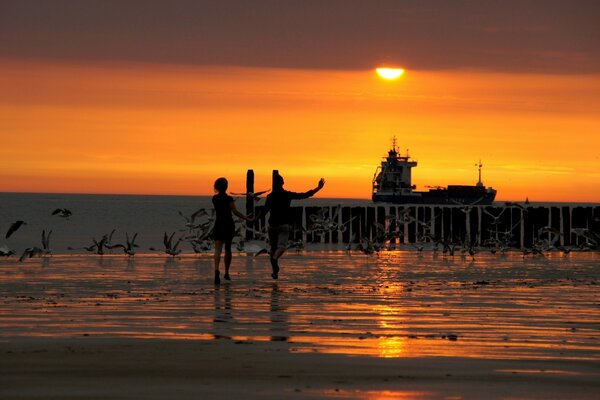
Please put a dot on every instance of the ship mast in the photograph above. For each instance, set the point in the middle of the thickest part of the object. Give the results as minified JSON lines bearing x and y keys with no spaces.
{"x":479,"y":183}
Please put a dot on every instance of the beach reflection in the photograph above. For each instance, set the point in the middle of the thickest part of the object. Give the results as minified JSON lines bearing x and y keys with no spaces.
{"x":375,"y":394}
{"x":401,"y":304}
{"x":279,"y":319}
{"x":223,"y":312}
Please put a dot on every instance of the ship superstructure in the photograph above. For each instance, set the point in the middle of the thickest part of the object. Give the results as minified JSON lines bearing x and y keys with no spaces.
{"x":392,"y":183}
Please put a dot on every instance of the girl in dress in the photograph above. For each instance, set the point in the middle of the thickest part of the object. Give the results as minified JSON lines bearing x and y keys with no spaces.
{"x":224,"y":229}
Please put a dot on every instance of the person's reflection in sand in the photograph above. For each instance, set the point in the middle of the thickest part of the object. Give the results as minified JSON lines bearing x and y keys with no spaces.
{"x":223,"y":312}
{"x":279,"y":319}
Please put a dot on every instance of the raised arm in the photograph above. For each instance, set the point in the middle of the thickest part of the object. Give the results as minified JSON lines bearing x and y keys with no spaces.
{"x":310,"y":193}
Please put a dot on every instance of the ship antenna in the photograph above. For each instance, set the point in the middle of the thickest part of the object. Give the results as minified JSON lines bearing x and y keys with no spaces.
{"x":479,"y":165}
{"x":394,"y":143}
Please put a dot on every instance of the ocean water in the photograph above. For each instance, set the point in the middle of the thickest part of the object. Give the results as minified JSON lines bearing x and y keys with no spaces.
{"x":96,"y":215}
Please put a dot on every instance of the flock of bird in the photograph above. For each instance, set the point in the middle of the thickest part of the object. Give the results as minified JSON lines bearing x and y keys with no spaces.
{"x":197,"y":228}
{"x":500,"y":241}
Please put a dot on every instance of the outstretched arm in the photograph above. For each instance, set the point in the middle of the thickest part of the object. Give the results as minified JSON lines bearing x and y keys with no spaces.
{"x":310,"y":193}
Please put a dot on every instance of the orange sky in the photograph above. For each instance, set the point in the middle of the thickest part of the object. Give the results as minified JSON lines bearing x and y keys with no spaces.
{"x":168,"y":129}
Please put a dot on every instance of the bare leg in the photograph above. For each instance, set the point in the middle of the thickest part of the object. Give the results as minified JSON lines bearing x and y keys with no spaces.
{"x":279,"y":252}
{"x":275,"y":255}
{"x":217,"y":258}
{"x":227,"y":259}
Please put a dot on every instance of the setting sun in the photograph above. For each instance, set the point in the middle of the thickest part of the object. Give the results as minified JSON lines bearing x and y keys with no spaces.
{"x":390,"y":73}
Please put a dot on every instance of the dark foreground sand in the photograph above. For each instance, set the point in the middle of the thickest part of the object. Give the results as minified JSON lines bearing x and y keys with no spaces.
{"x":91,"y":368}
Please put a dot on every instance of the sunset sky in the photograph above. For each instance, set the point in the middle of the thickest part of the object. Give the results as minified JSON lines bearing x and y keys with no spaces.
{"x":163,"y":97}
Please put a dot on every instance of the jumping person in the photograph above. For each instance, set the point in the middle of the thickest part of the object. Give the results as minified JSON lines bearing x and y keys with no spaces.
{"x":278,"y":204}
{"x":224,"y":229}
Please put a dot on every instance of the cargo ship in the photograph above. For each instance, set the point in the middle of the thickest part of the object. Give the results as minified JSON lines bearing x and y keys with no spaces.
{"x":392,"y":184}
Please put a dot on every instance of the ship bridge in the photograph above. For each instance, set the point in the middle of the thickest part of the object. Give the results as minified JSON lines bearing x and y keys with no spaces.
{"x":393,"y":176}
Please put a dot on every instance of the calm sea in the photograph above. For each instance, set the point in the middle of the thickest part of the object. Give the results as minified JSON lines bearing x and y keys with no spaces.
{"x":96,"y":215}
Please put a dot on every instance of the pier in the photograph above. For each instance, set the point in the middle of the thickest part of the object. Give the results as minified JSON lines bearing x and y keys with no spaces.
{"x":517,"y":226}
{"x":502,"y":224}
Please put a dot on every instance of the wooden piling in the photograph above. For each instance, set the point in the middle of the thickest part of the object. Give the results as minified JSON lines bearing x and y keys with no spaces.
{"x":249,"y":202}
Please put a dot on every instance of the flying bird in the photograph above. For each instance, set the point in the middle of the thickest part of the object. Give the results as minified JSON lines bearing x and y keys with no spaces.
{"x":254,"y":195}
{"x":14,"y":227}
{"x":62,"y":212}
{"x":170,"y":248}
{"x":46,"y":242}
{"x":31,"y":252}
{"x":129,"y":247}
{"x":190,"y":221}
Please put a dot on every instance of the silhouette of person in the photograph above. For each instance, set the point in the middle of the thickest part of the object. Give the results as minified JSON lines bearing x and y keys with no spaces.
{"x":224,"y":229}
{"x":278,"y":204}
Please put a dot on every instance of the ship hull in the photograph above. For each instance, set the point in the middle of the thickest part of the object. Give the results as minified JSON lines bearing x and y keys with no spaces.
{"x":472,"y":195}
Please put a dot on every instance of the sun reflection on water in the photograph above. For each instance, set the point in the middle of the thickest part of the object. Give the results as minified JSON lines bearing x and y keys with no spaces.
{"x":400,"y":305}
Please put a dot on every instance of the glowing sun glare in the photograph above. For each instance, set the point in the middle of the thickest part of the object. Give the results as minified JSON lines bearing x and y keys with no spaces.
{"x":389,"y":73}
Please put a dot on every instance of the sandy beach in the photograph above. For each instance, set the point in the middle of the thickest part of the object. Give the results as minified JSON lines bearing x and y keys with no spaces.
{"x":402,"y":325}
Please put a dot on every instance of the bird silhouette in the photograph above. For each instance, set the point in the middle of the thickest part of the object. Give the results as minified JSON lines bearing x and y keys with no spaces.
{"x":62,"y":212}
{"x":14,"y":227}
{"x":6,"y":252}
{"x":170,"y":248}
{"x":254,"y":195}
{"x":46,"y":242}
{"x":31,"y":252}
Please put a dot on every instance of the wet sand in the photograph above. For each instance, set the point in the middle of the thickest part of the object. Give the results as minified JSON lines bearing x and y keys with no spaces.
{"x":400,"y":326}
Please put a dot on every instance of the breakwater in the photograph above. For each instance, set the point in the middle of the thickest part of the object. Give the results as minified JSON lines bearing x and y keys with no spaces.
{"x":505,"y":224}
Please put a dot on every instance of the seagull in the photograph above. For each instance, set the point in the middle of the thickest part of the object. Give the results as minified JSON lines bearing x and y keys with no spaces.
{"x":201,"y":246}
{"x":470,"y":249}
{"x":46,"y":242}
{"x":553,"y":236}
{"x":108,"y":242}
{"x":62,"y":212}
{"x":517,"y":205}
{"x":31,"y":252}
{"x":86,"y":248}
{"x":189,"y":221}
{"x":367,"y":246}
{"x":496,"y":218}
{"x":295,"y":244}
{"x":254,"y":195}
{"x":100,"y":244}
{"x":170,"y":248}
{"x":261,"y":251}
{"x":449,"y":247}
{"x":13,"y":227}
{"x":129,"y":248}
{"x":6,"y":252}
{"x":590,"y":236}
